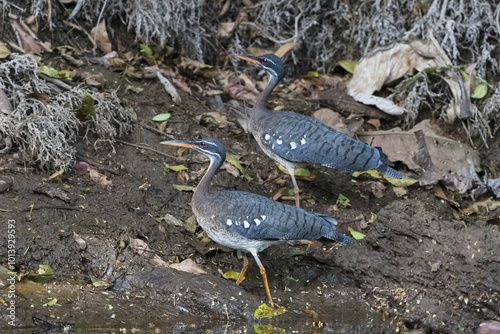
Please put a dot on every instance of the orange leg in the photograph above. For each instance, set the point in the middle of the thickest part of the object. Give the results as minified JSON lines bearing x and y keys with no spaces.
{"x":243,"y":270}
{"x":264,"y":279}
{"x":266,"y":286}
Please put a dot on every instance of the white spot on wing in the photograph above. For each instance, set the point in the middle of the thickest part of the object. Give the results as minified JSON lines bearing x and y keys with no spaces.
{"x":257,"y":221}
{"x":246,"y":224}
{"x":263,"y":217}
{"x":293,"y":145}
{"x":303,"y":140}
{"x":229,"y":222}
{"x":279,"y":141}
{"x":267,"y":137}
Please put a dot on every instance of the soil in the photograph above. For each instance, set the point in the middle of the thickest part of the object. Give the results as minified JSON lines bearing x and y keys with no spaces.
{"x":422,"y":265}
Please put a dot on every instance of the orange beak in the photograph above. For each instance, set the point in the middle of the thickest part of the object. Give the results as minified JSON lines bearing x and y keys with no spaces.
{"x":250,"y":59}
{"x":179,"y":143}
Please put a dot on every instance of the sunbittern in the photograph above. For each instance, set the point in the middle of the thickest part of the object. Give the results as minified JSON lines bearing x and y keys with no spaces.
{"x":290,"y":138}
{"x":250,"y":222}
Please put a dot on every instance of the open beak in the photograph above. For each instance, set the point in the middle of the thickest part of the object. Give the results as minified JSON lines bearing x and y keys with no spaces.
{"x":179,"y":143}
{"x":250,"y":59}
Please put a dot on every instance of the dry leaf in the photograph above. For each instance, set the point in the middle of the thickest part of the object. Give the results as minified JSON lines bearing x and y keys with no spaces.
{"x":239,"y":92}
{"x":100,"y":179}
{"x":169,"y":88}
{"x":56,"y":193}
{"x":284,"y":49}
{"x":142,"y":248}
{"x":446,"y":154}
{"x":4,"y":51}
{"x":333,"y":120}
{"x":82,"y":244}
{"x":188,"y":266}
{"x":386,"y":65}
{"x":27,"y":42}
{"x":100,"y":35}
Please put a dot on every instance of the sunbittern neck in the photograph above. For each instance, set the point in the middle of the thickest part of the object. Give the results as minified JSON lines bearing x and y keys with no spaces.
{"x":202,"y":192}
{"x":260,"y":105}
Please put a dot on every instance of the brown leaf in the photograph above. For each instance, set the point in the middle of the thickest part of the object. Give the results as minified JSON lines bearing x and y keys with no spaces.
{"x":333,"y":120}
{"x":142,"y":248}
{"x":56,"y":193}
{"x":285,"y":48}
{"x":445,"y":154}
{"x":100,"y":35}
{"x":100,"y":179}
{"x":239,"y":92}
{"x":28,"y":43}
{"x":188,"y":266}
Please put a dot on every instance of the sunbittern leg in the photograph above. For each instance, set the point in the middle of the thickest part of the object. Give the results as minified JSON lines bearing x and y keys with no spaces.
{"x":243,"y":270}
{"x":291,"y":171}
{"x":264,"y":279}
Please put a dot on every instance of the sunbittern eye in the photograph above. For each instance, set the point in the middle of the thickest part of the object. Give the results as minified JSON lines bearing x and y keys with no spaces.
{"x":263,"y":60}
{"x":203,"y":144}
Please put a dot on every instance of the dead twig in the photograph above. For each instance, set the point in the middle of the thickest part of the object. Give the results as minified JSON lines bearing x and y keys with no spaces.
{"x":142,"y":147}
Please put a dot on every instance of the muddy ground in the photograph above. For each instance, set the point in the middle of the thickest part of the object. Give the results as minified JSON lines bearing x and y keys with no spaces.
{"x":422,"y":265}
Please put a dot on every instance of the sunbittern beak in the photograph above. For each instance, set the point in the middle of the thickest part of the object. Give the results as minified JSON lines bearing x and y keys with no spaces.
{"x":250,"y":59}
{"x":179,"y":143}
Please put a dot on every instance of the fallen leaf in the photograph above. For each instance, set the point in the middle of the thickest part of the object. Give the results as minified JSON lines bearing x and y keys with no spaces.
{"x":27,"y":42}
{"x":142,"y":248}
{"x":175,"y":168}
{"x":86,"y":110}
{"x":348,"y":65}
{"x":181,"y":187}
{"x":4,"y":51}
{"x":435,"y":266}
{"x":285,"y":48}
{"x":233,"y":160}
{"x":332,"y":119}
{"x":300,"y":172}
{"x":446,"y":154}
{"x":266,"y":311}
{"x":355,"y":234}
{"x":161,"y":117}
{"x":56,"y":193}
{"x":243,"y":93}
{"x":343,"y":200}
{"x":100,"y":179}
{"x":232,"y":275}
{"x":54,"y":175}
{"x":480,"y":91}
{"x":188,"y":266}
{"x":169,"y":88}
{"x":82,"y":244}
{"x":482,"y":207}
{"x":100,"y":36}
{"x":52,"y":302}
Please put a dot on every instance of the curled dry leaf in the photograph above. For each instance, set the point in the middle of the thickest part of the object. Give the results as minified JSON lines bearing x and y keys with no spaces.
{"x":169,"y":88}
{"x":27,"y":42}
{"x":56,"y":193}
{"x":91,"y":79}
{"x":285,"y":48}
{"x":239,"y":92}
{"x":142,"y":248}
{"x":100,"y":36}
{"x":100,"y":179}
{"x":82,"y":244}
